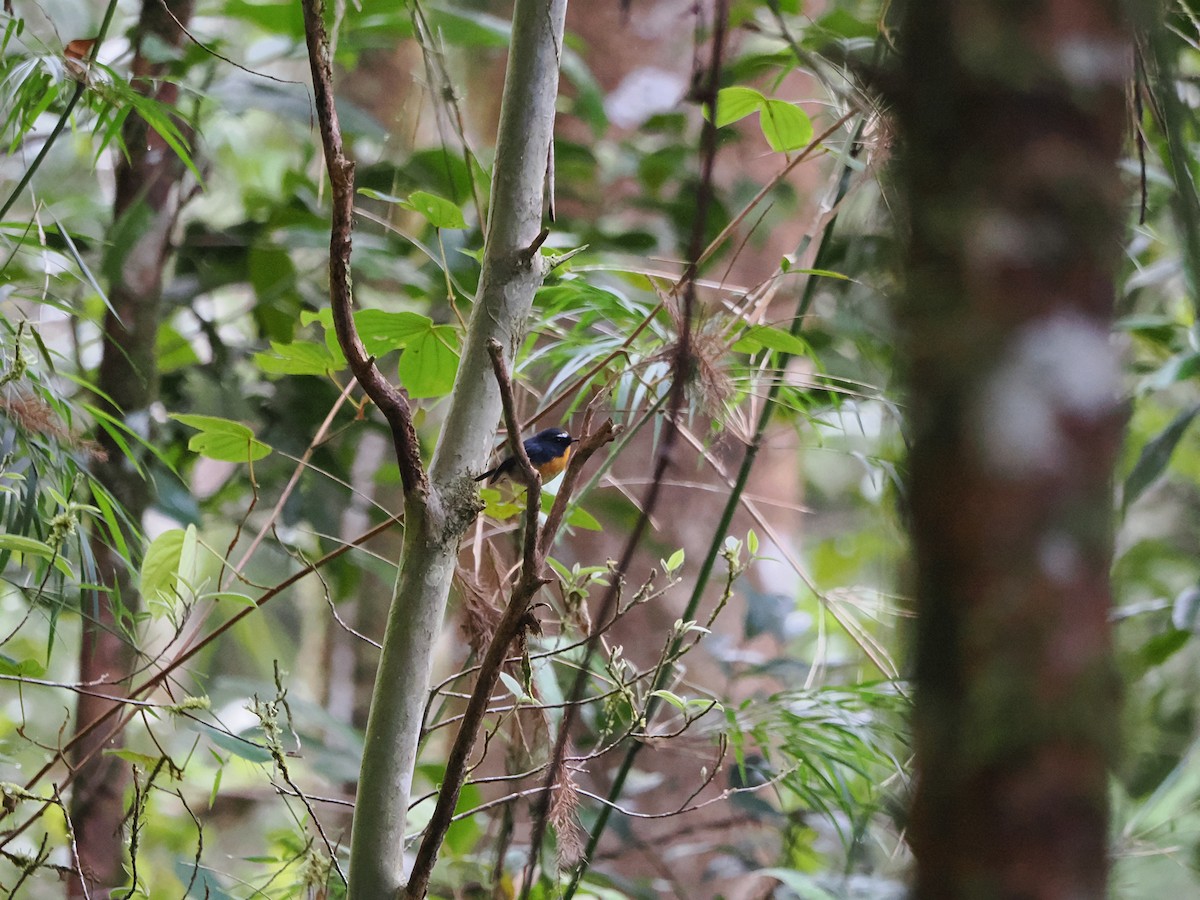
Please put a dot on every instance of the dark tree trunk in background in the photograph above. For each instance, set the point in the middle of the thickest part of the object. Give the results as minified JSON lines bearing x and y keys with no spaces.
{"x":1012,"y":119}
{"x":146,"y":205}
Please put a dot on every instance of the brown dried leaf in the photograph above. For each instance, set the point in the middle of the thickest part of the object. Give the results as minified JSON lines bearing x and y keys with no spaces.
{"x":79,"y":48}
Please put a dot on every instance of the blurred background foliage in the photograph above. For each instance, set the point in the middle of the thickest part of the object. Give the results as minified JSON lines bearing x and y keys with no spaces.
{"x":794,"y":753}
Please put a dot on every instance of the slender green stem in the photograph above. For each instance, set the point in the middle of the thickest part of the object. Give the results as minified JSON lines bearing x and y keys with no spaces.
{"x":715,"y":546}
{"x":80,"y":87}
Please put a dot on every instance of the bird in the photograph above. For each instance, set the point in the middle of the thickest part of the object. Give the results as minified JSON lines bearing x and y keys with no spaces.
{"x":548,"y":450}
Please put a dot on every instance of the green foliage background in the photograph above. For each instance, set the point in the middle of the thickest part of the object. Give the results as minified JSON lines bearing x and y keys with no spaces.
{"x":803,"y":684}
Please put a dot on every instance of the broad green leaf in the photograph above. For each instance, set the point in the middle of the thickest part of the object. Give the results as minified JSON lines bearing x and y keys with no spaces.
{"x":785,"y":126}
{"x":470,"y":28}
{"x":496,"y":507}
{"x":577,"y":517}
{"x":324,"y":315}
{"x":222,"y":439}
{"x":1155,"y":456}
{"x":299,"y":358}
{"x":581,"y":518}
{"x":735,"y":103}
{"x":429,"y":363}
{"x":382,"y":332}
{"x":1161,"y":647}
{"x":22,"y":668}
{"x":170,"y":565}
{"x":438,"y":211}
{"x":559,"y":569}
{"x":675,"y":560}
{"x":174,"y":351}
{"x":160,"y":567}
{"x":187,"y":574}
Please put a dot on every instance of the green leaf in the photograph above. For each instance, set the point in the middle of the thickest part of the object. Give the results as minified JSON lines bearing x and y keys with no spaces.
{"x":235,"y":598}
{"x":675,"y":560}
{"x":785,"y":126}
{"x":160,"y":567}
{"x":170,"y":565}
{"x":438,"y":211}
{"x":1162,"y":647}
{"x":132,"y":756}
{"x":299,"y":358}
{"x":674,"y":699}
{"x":734,"y":103}
{"x":223,"y":439}
{"x":17,"y":543}
{"x":752,"y":542}
{"x":378,"y":195}
{"x":514,"y":687}
{"x":187,"y":574}
{"x":382,"y":332}
{"x":173,"y":350}
{"x":1155,"y":456}
{"x":560,"y":570}
{"x":1180,"y":367}
{"x":24,"y":668}
{"x":760,"y":336}
{"x":581,"y":518}
{"x":430,"y":362}
{"x":786,"y":265}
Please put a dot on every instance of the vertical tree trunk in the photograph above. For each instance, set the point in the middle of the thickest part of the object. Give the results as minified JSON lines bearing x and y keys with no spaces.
{"x":1012,"y":118}
{"x":146,"y":205}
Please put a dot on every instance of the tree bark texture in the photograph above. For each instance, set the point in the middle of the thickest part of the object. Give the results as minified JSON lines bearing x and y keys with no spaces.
{"x":145,"y":208}
{"x":1012,"y":119}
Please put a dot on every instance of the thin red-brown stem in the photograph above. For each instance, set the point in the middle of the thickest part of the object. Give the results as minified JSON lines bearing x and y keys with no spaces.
{"x":391,"y":401}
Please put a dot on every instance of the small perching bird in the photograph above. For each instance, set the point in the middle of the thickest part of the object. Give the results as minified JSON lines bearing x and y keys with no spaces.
{"x":548,"y":450}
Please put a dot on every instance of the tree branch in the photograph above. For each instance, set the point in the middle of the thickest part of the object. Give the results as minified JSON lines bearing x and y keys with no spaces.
{"x":515,"y":620}
{"x":391,"y":402}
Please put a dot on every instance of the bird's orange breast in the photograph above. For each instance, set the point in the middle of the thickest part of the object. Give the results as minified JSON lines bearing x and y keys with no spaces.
{"x":555,"y":466}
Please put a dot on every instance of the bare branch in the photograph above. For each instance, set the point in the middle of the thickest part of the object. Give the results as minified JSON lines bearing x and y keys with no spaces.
{"x":391,"y":402}
{"x":514,"y":620}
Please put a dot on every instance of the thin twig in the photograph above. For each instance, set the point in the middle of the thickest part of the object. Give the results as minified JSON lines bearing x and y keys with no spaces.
{"x":159,"y":677}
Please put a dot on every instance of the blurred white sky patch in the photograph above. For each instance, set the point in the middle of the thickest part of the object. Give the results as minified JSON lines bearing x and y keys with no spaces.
{"x":1064,"y":365}
{"x":643,"y":93}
